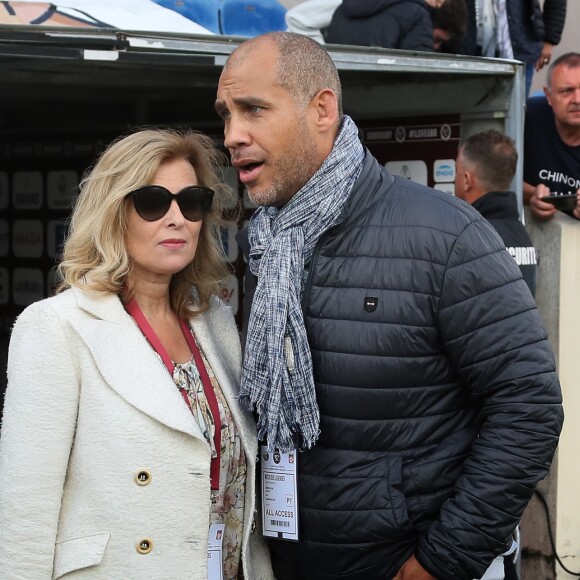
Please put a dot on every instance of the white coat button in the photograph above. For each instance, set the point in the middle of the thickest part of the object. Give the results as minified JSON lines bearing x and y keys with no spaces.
{"x":144,"y":546}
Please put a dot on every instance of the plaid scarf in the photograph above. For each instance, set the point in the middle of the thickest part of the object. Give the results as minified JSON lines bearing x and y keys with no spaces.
{"x":277,"y":379}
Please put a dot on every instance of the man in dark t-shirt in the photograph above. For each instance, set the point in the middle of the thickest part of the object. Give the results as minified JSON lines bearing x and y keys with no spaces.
{"x":552,"y":139}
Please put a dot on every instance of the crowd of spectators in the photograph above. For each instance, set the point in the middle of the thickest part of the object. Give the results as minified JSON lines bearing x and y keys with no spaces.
{"x":520,"y":29}
{"x":524,"y":30}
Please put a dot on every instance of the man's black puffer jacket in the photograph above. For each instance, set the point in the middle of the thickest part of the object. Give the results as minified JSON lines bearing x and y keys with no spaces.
{"x":404,"y":24}
{"x":440,"y":406}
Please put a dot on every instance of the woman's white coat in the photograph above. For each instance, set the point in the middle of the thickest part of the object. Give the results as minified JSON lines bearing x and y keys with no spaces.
{"x":88,"y":406}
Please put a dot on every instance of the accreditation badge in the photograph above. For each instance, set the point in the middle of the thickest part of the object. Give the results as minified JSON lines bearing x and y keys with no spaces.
{"x":215,"y":567}
{"x":279,"y":494}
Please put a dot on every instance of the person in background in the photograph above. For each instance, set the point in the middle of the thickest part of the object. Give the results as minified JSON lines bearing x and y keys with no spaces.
{"x":519,"y":29}
{"x":484,"y":171}
{"x":485,"y":168}
{"x":389,"y":336}
{"x":123,"y":447}
{"x":552,"y":139}
{"x":421,"y":25}
{"x":311,"y":18}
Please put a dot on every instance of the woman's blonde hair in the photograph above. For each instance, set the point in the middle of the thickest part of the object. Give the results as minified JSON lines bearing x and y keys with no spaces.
{"x":95,"y":255}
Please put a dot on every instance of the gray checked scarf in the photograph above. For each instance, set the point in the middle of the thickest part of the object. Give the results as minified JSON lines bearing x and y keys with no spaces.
{"x":277,"y":379}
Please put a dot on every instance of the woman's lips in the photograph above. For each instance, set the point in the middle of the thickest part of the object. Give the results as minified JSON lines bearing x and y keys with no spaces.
{"x":173,"y":244}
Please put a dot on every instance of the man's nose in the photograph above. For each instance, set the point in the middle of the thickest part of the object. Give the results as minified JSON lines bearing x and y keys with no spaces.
{"x":236,"y":132}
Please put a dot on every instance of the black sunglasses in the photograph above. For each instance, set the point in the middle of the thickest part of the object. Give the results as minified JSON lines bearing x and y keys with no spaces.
{"x":152,"y":202}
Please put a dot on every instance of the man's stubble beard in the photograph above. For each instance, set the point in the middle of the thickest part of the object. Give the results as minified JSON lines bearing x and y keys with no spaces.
{"x":291,"y":172}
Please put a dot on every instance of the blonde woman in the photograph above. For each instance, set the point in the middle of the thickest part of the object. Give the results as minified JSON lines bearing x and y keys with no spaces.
{"x":123,"y":448}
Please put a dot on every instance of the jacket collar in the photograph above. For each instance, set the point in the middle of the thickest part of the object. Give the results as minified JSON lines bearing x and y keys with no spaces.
{"x":130,"y":366}
{"x":372,"y":183}
{"x":127,"y":362}
{"x":104,"y":306}
{"x":498,"y":205}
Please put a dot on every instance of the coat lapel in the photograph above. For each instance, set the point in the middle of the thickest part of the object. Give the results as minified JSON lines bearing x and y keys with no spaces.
{"x":127,"y":362}
{"x":130,"y":366}
{"x":218,"y":337}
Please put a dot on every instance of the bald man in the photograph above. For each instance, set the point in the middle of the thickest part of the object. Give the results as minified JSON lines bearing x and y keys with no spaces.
{"x":390,"y":339}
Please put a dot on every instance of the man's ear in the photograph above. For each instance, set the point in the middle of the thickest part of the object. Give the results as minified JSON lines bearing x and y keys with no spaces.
{"x":468,"y":180}
{"x":325,"y":108}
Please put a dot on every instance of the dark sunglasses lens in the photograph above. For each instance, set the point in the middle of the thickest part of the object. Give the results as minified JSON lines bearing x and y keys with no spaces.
{"x":195,"y":202}
{"x":151,"y":203}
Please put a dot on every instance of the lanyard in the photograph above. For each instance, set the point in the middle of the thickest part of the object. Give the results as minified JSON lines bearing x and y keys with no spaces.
{"x":135,"y":311}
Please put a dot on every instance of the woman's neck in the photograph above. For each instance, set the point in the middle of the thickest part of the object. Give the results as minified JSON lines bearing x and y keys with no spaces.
{"x":152,"y":298}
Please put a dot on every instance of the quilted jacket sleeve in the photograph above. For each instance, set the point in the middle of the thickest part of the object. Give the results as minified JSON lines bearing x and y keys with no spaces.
{"x":37,"y":433}
{"x":554,"y":12}
{"x":497,"y":343}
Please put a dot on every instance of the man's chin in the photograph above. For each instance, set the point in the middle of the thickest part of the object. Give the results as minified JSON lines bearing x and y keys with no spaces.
{"x":262,"y":196}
